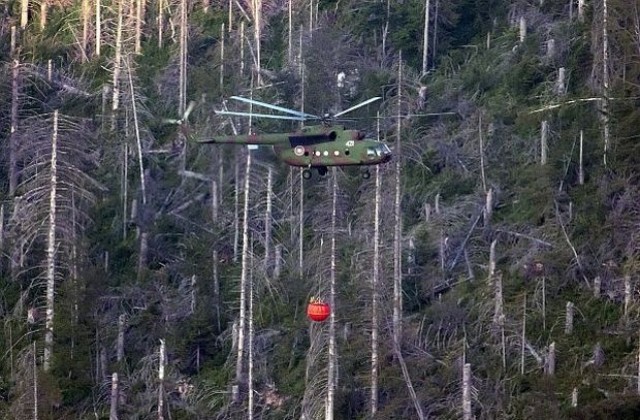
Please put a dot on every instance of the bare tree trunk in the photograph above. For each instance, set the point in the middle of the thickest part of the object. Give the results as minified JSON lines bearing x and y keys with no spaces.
{"x":24,"y":13}
{"x":98,"y":27}
{"x":561,"y":84}
{"x":139,"y":17}
{"x":243,"y":275}
{"x":397,"y":238}
{"x":86,"y":16}
{"x":488,"y":208}
{"x":51,"y":248}
{"x":194,"y":301}
{"x":375,"y":297}
{"x":160,"y":22}
{"x":182,"y":100}
{"x":407,"y":381}
{"x":102,"y":363}
{"x":492,"y":261}
{"x":222,"y":39}
{"x":44,"y":11}
{"x":115,"y":391}
{"x":134,"y":110}
{"x":13,"y":42}
{"x":627,"y":295}
{"x":498,"y":314}
{"x":256,"y":10}
{"x":523,"y":339}
{"x":161,"y":367}
{"x":385,"y":30}
{"x":124,"y":188}
{"x":215,"y":208}
{"x":242,"y":38}
{"x":143,"y":253}
{"x":435,"y":35}
{"x":277,"y":266}
{"x":267,"y":221}
{"x":236,"y":212}
{"x":117,"y":67}
{"x":75,"y":309}
{"x":551,"y":49}
{"x":332,"y":376}
{"x":544,"y":142}
{"x":35,"y":382}
{"x":581,"y":164}
{"x":250,"y":344}
{"x":605,"y":83}
{"x":13,"y":140}
{"x":216,"y":285}
{"x":550,"y":362}
{"x":480,"y":139}
{"x":638,"y":379}
{"x":182,"y":82}
{"x":581,"y":10}
{"x":120,"y":341}
{"x":290,"y":33}
{"x":544,"y":303}
{"x":568,"y":322}
{"x":466,"y":392}
{"x":425,"y":39}
{"x":301,"y":226}
{"x":597,"y":287}
{"x":1,"y":228}
{"x":523,"y":29}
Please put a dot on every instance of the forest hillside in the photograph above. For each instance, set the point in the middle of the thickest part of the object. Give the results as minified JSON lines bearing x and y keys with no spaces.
{"x":488,"y":271}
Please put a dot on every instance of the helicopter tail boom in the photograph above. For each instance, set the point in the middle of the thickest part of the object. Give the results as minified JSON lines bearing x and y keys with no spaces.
{"x":250,"y":139}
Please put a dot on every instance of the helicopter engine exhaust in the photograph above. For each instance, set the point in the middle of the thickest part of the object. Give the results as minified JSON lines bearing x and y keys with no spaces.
{"x":308,"y":139}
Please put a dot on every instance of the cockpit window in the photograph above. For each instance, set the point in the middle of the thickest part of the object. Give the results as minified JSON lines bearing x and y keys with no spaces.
{"x":379,"y":150}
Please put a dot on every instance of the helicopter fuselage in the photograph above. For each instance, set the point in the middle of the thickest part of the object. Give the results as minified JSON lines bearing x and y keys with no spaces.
{"x":318,"y":146}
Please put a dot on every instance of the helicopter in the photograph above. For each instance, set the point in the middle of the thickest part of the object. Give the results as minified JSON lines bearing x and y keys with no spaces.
{"x":311,"y":147}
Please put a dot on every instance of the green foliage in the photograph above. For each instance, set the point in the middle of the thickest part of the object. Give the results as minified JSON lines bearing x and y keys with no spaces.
{"x":492,"y":91}
{"x":619,"y":407}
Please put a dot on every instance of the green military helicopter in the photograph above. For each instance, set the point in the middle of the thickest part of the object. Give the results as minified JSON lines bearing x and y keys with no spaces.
{"x":311,"y":147}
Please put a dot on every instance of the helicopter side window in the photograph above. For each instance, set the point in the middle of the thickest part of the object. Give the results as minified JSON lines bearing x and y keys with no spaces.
{"x":371,"y":152}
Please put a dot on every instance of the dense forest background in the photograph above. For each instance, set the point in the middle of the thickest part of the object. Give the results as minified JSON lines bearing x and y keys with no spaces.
{"x":490,"y":270}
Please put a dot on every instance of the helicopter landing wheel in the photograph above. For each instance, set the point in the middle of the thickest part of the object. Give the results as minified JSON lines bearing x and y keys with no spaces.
{"x":322,"y":170}
{"x":306,"y":174}
{"x":366,"y":174}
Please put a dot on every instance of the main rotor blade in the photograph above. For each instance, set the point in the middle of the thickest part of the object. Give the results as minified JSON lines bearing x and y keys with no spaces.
{"x":248,"y":114}
{"x":361,"y":104}
{"x":427,"y":114}
{"x":274,"y":107}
